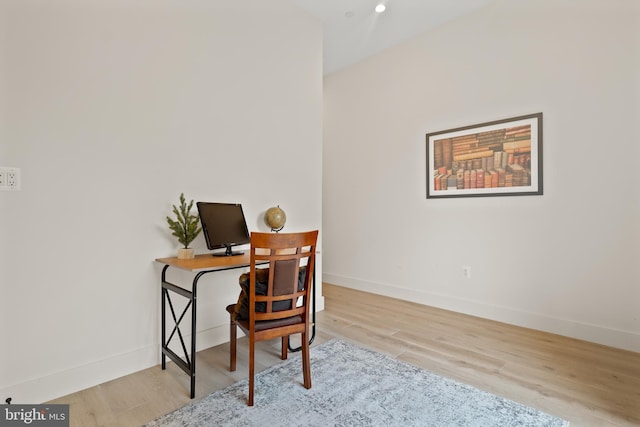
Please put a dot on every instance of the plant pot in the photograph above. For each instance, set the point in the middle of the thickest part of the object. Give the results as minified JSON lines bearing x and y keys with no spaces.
{"x":185,"y":253}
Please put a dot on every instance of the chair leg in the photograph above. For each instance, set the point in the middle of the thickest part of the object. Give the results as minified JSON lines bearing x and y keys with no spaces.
{"x":232,"y":343}
{"x":306,"y":362}
{"x":285,"y":345}
{"x":252,"y":345}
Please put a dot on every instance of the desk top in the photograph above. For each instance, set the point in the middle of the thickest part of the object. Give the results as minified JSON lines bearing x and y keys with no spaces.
{"x":207,"y":262}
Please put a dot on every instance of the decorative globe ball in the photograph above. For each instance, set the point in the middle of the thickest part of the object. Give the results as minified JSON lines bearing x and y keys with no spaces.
{"x":275,"y":218}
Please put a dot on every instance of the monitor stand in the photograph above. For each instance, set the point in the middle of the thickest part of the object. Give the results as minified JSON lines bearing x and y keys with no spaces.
{"x":227,"y":252}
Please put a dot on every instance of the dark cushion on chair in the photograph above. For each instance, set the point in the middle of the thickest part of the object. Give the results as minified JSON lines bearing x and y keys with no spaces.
{"x":241,"y":308}
{"x":264,"y":324}
{"x":268,"y":324}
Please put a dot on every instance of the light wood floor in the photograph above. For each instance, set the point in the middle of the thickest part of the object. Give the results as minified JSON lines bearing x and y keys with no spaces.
{"x":585,"y":383}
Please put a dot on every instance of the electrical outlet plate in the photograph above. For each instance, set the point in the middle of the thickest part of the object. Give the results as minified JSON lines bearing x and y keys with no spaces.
{"x":466,"y":271}
{"x":9,"y":179}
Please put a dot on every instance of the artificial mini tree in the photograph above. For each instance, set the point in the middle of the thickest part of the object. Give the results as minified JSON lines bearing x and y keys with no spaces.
{"x":185,"y":227}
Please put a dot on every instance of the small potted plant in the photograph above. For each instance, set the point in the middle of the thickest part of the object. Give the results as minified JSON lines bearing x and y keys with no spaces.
{"x":185,"y":227}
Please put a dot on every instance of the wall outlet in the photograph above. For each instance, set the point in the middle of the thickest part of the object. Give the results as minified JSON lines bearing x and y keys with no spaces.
{"x":466,"y":271}
{"x":9,"y":178}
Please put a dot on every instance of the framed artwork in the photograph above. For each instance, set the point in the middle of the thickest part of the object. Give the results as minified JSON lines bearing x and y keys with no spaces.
{"x":499,"y":158}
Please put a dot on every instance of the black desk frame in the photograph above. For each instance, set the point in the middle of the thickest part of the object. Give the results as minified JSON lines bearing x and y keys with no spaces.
{"x":188,"y":363}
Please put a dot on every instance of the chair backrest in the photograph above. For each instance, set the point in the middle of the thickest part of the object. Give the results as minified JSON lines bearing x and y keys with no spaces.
{"x":291,"y":258}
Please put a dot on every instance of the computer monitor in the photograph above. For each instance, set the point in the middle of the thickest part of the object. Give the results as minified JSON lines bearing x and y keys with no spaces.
{"x":223,"y":226}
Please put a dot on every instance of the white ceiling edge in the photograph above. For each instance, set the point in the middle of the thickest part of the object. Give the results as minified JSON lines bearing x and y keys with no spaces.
{"x":353,"y":30}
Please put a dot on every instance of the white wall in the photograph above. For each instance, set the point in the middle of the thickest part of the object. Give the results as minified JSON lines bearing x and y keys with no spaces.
{"x":565,"y":262}
{"x":113,"y":109}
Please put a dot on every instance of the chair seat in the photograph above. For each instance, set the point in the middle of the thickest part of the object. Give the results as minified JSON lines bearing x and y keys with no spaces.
{"x":266,"y":324}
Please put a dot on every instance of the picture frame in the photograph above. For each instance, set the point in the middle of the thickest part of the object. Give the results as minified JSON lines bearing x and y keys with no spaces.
{"x":498,"y":158}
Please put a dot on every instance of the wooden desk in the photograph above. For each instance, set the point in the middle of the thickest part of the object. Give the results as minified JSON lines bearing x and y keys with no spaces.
{"x":207,"y":262}
{"x":200,"y":265}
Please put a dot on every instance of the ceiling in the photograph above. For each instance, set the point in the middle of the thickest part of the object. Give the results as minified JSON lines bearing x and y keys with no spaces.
{"x":354,"y":31}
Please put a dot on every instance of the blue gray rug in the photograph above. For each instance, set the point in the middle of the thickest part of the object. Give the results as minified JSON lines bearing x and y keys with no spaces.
{"x":353,"y":386}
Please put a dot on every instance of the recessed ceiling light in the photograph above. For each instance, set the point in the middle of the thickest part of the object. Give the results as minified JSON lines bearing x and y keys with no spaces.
{"x":380,"y":8}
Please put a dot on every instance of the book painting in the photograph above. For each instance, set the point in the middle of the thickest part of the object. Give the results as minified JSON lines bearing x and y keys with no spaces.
{"x":499,"y":158}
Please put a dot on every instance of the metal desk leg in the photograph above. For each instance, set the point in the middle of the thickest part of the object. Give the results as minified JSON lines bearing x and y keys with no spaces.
{"x":193,"y":334}
{"x":164,"y":315}
{"x":188,"y":364}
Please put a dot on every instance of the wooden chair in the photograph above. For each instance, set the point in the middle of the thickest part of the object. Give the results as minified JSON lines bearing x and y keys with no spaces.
{"x":279,"y":307}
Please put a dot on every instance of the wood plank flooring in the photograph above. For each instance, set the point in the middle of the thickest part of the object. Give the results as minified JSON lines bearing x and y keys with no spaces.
{"x":585,"y":383}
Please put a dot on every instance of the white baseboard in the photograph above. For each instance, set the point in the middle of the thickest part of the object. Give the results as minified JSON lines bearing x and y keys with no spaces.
{"x":597,"y":334}
{"x":62,"y":383}
{"x":59,"y":384}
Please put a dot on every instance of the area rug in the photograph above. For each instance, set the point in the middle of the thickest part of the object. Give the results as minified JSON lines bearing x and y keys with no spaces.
{"x":353,"y":386}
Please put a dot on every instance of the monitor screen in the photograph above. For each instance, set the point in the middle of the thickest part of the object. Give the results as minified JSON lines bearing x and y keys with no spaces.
{"x":223,"y":226}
